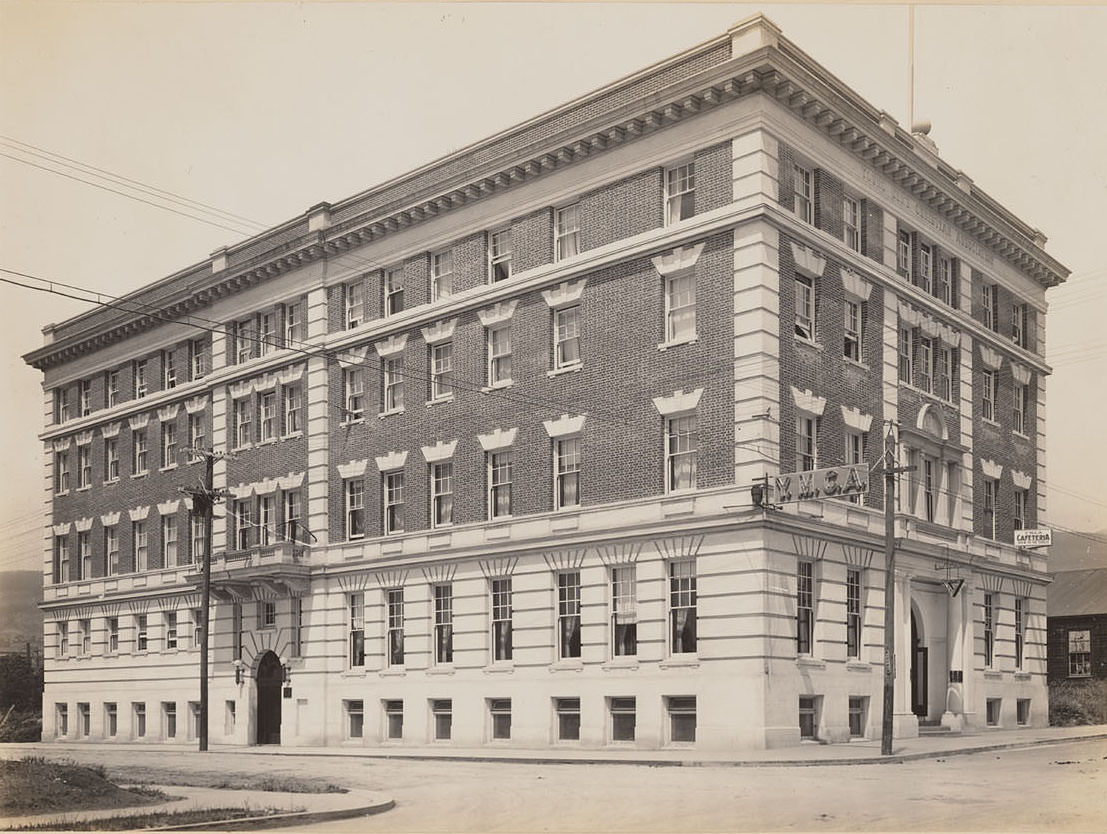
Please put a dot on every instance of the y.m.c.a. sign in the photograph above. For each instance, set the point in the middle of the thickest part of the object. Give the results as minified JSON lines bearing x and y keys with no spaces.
{"x":836,"y":482}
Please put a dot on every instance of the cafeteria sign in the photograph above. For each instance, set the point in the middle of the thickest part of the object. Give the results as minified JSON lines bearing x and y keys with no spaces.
{"x":836,"y":482}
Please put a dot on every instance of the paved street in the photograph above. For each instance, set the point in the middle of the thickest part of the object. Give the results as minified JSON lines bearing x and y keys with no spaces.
{"x":1060,"y":787}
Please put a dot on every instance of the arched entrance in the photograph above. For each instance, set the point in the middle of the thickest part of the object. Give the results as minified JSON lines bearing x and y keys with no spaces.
{"x":269,"y":678}
{"x":919,"y":679}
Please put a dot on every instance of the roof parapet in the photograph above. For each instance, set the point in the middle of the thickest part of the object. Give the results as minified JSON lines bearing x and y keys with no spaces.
{"x":753,"y":33}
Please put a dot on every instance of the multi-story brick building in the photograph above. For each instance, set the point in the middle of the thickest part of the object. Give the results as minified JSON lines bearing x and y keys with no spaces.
{"x":492,"y":429}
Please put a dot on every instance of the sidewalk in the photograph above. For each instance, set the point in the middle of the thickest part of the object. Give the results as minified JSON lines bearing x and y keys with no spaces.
{"x":304,"y":808}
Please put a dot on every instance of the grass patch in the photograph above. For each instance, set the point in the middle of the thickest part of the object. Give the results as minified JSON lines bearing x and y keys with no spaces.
{"x":134,"y":822}
{"x":34,"y":785}
{"x":20,"y":725}
{"x":226,"y":781}
{"x":1077,"y":702}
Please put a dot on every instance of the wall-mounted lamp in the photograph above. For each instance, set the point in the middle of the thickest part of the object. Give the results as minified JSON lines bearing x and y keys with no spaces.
{"x":238,"y":665}
{"x":286,"y":672}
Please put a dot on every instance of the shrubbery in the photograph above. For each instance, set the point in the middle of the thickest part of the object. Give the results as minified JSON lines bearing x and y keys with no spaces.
{"x":1073,"y":702}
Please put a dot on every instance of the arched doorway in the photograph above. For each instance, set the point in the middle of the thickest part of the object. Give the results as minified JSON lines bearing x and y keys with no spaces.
{"x":269,"y":678}
{"x":919,"y":704}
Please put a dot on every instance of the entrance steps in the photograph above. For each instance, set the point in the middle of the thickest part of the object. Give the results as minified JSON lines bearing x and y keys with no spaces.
{"x":933,"y":727}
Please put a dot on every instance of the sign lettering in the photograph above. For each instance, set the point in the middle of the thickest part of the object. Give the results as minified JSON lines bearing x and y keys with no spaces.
{"x":835,"y":482}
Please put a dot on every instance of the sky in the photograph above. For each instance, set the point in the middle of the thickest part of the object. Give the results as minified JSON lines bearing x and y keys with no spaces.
{"x":265,"y":109}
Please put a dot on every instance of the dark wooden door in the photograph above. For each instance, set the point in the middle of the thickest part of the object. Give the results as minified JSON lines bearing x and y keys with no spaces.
{"x":269,"y":699}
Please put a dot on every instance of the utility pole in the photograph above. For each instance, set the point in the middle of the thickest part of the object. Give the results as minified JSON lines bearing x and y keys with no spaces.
{"x":203,"y":506}
{"x":890,"y":472}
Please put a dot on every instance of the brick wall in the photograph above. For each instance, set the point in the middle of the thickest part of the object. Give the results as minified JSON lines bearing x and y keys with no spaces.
{"x":1057,"y":644}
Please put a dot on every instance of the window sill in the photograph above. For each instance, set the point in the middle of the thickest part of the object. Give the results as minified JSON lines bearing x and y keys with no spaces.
{"x":1022,"y":676}
{"x":140,"y":474}
{"x":292,"y":436}
{"x":63,"y":492}
{"x":574,"y":664}
{"x":354,"y":673}
{"x":382,"y":414}
{"x":83,"y":488}
{"x":496,"y":386}
{"x":267,"y":441}
{"x":630,"y":663}
{"x":989,"y":422}
{"x":855,"y":363}
{"x":566,"y":369}
{"x":394,"y":672}
{"x":688,"y":340}
{"x":110,"y":481}
{"x":440,"y":670}
{"x":690,"y":661}
{"x":438,"y":400}
{"x":168,"y":468}
{"x":808,"y":343}
{"x":500,"y":669}
{"x":857,"y":666}
{"x":810,"y":663}
{"x":993,"y":675}
{"x":1018,"y":435}
{"x":353,"y":421}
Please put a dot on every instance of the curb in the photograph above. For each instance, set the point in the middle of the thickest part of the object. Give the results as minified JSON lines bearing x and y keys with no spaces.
{"x":278,"y":820}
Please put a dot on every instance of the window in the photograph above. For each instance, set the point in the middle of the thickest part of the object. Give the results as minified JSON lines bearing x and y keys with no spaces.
{"x":198,"y":626}
{"x":990,"y":305}
{"x":354,"y":300}
{"x":803,"y":194}
{"x":393,"y":510}
{"x":112,"y":625}
{"x":623,"y":718}
{"x":991,"y":490}
{"x":943,"y":373}
{"x":926,"y":268}
{"x":680,"y":193}
{"x":228,"y":717}
{"x":499,"y":711}
{"x":138,"y":710}
{"x":236,"y":627}
{"x":61,"y":472}
{"x":944,"y":290}
{"x":267,"y":416}
{"x":169,"y":541}
{"x":855,"y":453}
{"x":197,"y":539}
{"x":443,"y":624}
{"x":501,"y":619}
{"x":1021,"y":609}
{"x":111,"y":550}
{"x":142,"y":387}
{"x":63,"y":639}
{"x":567,"y":472}
{"x":442,"y":275}
{"x":442,"y":494}
{"x":930,"y":487}
{"x":851,"y":223}
{"x":111,"y":719}
{"x":852,"y":323}
{"x":296,"y":627}
{"x":1018,"y":414}
{"x":197,"y":433}
{"x":198,"y":358}
{"x":442,"y":370}
{"x":500,"y":465}
{"x":1080,"y":654}
{"x":924,"y":364}
{"x":499,"y":356}
{"x":355,"y":509}
{"x":566,"y":330}
{"x":442,"y":712}
{"x":805,"y":607}
{"x":682,"y":719}
{"x":567,"y":232}
{"x":393,"y":291}
{"x":139,"y":551}
{"x":62,"y":711}
{"x":139,"y":453}
{"x":266,"y":520}
{"x":267,"y":614}
{"x":168,"y":370}
{"x":989,"y":631}
{"x":568,"y":614}
{"x":858,"y":706}
{"x":142,"y":636}
{"x":245,"y":340}
{"x":808,"y":717}
{"x":394,"y":600}
{"x":168,"y":445}
{"x":392,"y":398}
{"x":293,"y":406}
{"x":243,"y":422}
{"x":84,"y":397}
{"x":853,"y":613}
{"x":624,"y":611}
{"x":84,"y":466}
{"x":1021,"y":501}
{"x":988,"y":394}
{"x":61,"y":405}
{"x":906,"y":369}
{"x":111,"y":459}
{"x":681,"y":439}
{"x":84,"y":555}
{"x":355,"y":718}
{"x":61,"y":558}
{"x":1018,"y":324}
{"x":805,"y":307}
{"x":806,"y":439}
{"x":267,"y":333}
{"x":568,"y":718}
{"x":393,"y":720}
{"x":170,"y":629}
{"x":244,"y":524}
{"x":1022,"y":711}
{"x":499,"y":256}
{"x":357,"y":630}
{"x":293,"y":324}
{"x":992,"y":711}
{"x":293,"y":510}
{"x":903,"y":253}
{"x":353,"y":382}
{"x":84,"y":719}
{"x":680,"y":306}
{"x":682,"y":607}
{"x":111,"y":388}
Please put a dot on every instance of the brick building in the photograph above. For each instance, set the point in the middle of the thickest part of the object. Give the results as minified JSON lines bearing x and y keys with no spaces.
{"x":493,"y":428}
